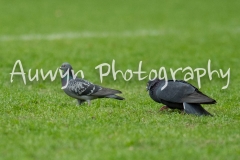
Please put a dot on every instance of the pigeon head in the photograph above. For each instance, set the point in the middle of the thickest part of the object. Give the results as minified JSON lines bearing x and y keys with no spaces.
{"x":151,"y":83}
{"x":66,"y":66}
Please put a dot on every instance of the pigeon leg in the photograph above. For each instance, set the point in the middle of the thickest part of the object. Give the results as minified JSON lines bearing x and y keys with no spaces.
{"x":80,"y":101}
{"x":89,"y":102}
{"x":164,"y":108}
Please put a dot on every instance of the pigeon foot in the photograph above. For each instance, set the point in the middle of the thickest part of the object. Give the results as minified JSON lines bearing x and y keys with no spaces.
{"x":164,"y":108}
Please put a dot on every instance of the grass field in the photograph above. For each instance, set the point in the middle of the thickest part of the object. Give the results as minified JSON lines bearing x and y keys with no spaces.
{"x":38,"y":121}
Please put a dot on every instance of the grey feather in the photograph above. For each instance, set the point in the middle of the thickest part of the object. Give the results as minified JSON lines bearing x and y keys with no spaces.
{"x":84,"y":90}
{"x":177,"y":93}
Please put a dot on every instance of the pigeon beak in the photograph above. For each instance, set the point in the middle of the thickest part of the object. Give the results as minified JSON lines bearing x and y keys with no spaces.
{"x":60,"y":68}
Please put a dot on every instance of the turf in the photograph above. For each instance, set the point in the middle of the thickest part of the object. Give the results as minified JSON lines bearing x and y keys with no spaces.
{"x":38,"y":121}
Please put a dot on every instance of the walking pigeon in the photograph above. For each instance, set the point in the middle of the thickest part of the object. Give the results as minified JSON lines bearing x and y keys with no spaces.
{"x":83,"y":90}
{"x":179,"y":95}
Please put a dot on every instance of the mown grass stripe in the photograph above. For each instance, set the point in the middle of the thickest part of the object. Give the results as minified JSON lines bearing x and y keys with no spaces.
{"x":72,"y":35}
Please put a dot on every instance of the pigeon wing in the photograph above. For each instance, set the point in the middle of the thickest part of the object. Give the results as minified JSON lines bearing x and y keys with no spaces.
{"x":180,"y":91}
{"x":81,"y":87}
{"x":198,"y":97}
{"x":175,"y":91}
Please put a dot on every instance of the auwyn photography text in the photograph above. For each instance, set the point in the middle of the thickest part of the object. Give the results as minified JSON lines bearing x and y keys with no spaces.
{"x":161,"y":73}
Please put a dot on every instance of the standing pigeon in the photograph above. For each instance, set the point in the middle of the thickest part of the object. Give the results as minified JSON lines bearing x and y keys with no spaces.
{"x":83,"y":90}
{"x":179,"y":95}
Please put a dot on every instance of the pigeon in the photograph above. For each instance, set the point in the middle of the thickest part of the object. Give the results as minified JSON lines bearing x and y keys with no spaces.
{"x":180,"y":95}
{"x":83,"y":90}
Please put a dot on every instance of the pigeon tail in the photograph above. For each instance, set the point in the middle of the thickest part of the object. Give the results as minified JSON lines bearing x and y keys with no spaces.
{"x":196,"y":109}
{"x":115,"y":97}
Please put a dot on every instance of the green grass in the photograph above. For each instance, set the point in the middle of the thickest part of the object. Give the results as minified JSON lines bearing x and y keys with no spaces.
{"x":38,"y":121}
